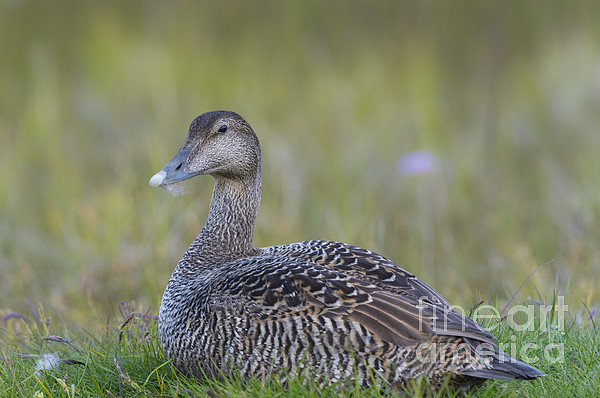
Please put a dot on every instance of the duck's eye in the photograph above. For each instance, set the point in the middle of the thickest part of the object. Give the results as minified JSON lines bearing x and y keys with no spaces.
{"x":223,"y":128}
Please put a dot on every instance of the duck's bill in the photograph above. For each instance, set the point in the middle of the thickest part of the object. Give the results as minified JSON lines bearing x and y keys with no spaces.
{"x":174,"y":170}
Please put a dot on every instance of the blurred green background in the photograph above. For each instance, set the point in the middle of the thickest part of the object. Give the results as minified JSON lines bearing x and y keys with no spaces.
{"x":95,"y":97}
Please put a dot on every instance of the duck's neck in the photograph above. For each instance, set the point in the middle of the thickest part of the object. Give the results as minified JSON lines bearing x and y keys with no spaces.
{"x":229,"y":228}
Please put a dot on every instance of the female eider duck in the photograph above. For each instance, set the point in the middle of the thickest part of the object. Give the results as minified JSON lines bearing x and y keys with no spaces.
{"x":336,"y":310}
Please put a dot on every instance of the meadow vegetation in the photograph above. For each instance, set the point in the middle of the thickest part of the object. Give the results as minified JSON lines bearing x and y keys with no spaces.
{"x":96,"y":96}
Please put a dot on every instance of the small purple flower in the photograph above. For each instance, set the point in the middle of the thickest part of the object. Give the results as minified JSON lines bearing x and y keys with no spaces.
{"x":417,"y":163}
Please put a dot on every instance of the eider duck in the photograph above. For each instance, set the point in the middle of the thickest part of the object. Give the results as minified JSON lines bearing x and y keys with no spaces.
{"x":336,"y":310}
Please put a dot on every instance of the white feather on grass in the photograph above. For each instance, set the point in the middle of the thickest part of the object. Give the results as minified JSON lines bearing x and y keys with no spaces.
{"x":46,"y":362}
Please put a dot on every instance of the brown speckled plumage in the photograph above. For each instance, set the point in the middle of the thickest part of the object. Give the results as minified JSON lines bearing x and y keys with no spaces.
{"x":339,"y":311}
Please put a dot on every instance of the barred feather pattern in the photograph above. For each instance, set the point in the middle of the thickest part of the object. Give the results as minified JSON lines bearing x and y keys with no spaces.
{"x":335,"y":310}
{"x":292,"y":307}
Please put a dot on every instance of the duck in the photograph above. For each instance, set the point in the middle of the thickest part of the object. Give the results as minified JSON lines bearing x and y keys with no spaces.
{"x":334,"y":310}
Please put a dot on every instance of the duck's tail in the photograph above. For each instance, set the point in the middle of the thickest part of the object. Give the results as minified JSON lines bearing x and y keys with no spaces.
{"x":504,"y":367}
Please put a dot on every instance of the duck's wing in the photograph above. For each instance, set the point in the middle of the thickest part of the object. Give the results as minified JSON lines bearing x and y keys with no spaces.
{"x":399,"y":308}
{"x":396,"y":291}
{"x":402,"y":296}
{"x":287,"y":290}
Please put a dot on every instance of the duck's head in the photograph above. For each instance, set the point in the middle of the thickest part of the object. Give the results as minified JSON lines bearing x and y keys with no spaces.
{"x":219,"y":143}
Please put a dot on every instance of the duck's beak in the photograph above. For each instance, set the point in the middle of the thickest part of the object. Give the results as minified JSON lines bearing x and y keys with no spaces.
{"x":174,"y":170}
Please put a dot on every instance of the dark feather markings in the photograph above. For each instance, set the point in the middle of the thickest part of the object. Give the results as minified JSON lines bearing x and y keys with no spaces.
{"x":394,"y":315}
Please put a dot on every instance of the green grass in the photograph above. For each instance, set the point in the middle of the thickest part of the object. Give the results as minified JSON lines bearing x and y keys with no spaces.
{"x":96,"y":97}
{"x":124,"y":358}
